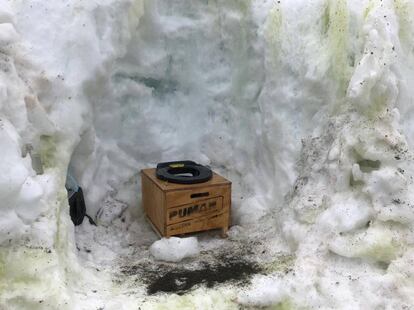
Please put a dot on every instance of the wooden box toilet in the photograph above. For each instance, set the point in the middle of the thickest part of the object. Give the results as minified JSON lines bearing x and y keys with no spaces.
{"x":174,"y":209}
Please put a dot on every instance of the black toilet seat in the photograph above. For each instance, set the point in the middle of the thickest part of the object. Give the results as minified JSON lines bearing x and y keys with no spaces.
{"x":183,"y":172}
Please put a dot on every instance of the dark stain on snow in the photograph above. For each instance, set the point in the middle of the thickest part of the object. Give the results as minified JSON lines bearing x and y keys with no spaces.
{"x":180,"y":281}
{"x":179,"y":278}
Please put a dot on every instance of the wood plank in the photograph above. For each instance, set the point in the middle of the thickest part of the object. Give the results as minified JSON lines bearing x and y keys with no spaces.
{"x":154,"y":227}
{"x":204,"y":223}
{"x":153,"y":201}
{"x":227,"y":206}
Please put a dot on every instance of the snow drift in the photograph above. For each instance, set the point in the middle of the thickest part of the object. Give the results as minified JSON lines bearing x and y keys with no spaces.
{"x":305,"y":105}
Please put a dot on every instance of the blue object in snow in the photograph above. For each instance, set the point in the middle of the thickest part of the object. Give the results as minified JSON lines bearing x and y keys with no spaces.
{"x":71,"y":184}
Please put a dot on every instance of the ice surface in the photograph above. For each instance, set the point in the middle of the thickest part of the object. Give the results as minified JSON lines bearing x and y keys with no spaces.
{"x":307,"y":106}
{"x":174,"y":249}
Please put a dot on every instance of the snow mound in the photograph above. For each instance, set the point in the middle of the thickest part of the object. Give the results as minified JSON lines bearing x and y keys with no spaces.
{"x":174,"y":249}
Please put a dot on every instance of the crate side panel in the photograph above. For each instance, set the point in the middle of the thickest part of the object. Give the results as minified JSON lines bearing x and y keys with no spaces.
{"x":153,"y":201}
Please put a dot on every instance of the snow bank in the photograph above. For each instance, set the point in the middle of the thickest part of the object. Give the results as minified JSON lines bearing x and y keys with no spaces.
{"x":43,"y":67}
{"x":174,"y":249}
{"x":305,"y":106}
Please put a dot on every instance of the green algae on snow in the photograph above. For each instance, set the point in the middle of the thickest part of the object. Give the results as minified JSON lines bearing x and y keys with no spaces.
{"x":2,"y":273}
{"x":210,"y":299}
{"x":31,"y":279}
{"x":48,"y":151}
{"x":379,"y":243}
{"x":282,"y":264}
{"x":273,"y":30}
{"x":199,"y":299}
{"x":382,"y":251}
{"x":286,"y":304}
{"x":337,"y":28}
{"x":404,"y":10}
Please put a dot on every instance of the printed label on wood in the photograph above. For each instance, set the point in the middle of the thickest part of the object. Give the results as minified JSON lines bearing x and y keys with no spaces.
{"x":194,"y":210}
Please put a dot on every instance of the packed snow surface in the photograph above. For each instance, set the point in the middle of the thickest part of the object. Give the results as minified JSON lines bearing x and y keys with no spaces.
{"x":264,"y":292}
{"x":306,"y":106}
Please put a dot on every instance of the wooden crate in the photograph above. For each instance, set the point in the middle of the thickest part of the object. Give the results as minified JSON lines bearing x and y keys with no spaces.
{"x":175,"y":209}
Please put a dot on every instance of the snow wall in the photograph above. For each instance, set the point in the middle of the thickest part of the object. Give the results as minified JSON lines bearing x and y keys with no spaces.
{"x":305,"y":105}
